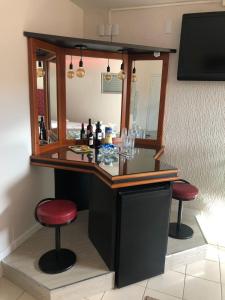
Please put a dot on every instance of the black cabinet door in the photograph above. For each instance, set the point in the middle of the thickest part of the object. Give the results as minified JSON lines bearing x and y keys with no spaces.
{"x":142,"y":233}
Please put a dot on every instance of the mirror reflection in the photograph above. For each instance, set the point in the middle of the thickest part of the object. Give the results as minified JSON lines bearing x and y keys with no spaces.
{"x":46,"y":96}
{"x":96,"y":95}
{"x":145,"y":98}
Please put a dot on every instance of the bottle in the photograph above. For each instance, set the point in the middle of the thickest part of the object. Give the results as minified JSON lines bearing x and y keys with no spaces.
{"x":89,"y":128}
{"x":108,"y":135}
{"x":98,"y":135}
{"x":91,"y":139}
{"x":42,"y":131}
{"x":82,"y":132}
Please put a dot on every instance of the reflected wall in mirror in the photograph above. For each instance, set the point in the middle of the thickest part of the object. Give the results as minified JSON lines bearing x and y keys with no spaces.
{"x":145,"y":98}
{"x":46,"y":96}
{"x":92,"y":96}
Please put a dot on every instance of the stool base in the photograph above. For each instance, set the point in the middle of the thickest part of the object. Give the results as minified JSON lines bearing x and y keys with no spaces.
{"x":182,"y":232}
{"x":57,"y":261}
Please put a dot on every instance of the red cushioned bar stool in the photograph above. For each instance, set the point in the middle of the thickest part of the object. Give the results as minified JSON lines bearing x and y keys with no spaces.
{"x":182,"y":191}
{"x":56,"y":213}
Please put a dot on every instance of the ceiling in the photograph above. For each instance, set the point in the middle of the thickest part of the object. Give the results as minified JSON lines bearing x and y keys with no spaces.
{"x":112,"y":4}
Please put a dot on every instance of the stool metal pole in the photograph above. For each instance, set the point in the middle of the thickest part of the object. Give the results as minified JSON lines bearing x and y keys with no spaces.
{"x":57,"y":238}
{"x":179,"y":215}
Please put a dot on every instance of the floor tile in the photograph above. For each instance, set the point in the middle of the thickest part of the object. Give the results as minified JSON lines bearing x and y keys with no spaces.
{"x":170,"y":283}
{"x":26,"y":296}
{"x":158,"y":295}
{"x":223,"y":291}
{"x":142,"y":283}
{"x":205,"y":269}
{"x":221,"y":251}
{"x":200,"y":289}
{"x":222,"y":270}
{"x":212,"y":253}
{"x":179,"y":269}
{"x":95,"y":297}
{"x":8,"y":290}
{"x":132,"y":292}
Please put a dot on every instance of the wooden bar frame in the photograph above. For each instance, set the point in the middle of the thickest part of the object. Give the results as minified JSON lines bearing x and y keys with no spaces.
{"x":61,"y":53}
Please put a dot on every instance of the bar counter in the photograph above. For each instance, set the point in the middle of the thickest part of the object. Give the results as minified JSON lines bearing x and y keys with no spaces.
{"x":141,"y":169}
{"x":129,"y":206}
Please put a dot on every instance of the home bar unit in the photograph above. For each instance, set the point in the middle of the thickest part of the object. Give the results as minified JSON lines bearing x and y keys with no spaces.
{"x":128,"y":198}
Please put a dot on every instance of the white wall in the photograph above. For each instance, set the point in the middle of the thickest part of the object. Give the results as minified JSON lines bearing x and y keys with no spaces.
{"x":194,"y":133}
{"x":21,"y":185}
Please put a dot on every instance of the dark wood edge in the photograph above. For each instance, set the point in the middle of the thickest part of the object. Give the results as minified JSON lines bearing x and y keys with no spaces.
{"x":144,"y":48}
{"x":143,"y":182}
{"x":140,"y":175}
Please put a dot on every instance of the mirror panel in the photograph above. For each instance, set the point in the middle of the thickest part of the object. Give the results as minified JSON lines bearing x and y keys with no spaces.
{"x":92,"y":96}
{"x":145,"y":98}
{"x":46,"y":94}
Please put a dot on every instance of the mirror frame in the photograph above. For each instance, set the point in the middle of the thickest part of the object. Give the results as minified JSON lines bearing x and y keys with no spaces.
{"x":61,"y":53}
{"x":164,"y":57}
{"x":33,"y":45}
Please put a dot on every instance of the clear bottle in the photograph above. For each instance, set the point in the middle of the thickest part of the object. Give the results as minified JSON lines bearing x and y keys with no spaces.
{"x":82,"y":132}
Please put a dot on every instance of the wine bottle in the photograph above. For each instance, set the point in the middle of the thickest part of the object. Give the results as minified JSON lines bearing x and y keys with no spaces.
{"x":89,"y":128}
{"x":82,"y":132}
{"x":91,"y":139}
{"x":98,"y":136}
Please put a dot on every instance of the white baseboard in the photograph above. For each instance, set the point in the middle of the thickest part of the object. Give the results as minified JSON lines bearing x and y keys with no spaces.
{"x":1,"y":271}
{"x":16,"y":243}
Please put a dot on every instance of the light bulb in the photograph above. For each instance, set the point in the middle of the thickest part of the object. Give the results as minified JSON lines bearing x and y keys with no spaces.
{"x":80,"y":71}
{"x":134,"y":76}
{"x":121,"y":75}
{"x":40,"y":72}
{"x":107,"y":76}
{"x":70,"y":73}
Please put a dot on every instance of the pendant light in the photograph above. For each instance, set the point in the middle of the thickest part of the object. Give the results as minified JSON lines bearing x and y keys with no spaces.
{"x":80,"y":71}
{"x":40,"y":70}
{"x":108,"y":75}
{"x":70,"y":73}
{"x":134,"y":76}
{"x":122,"y":75}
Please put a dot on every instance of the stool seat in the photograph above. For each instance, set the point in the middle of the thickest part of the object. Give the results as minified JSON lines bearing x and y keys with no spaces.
{"x":184,"y":191}
{"x":56,"y":212}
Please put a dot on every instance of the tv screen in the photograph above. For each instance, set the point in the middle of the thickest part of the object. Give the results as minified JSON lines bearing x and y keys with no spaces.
{"x":202,"y":47}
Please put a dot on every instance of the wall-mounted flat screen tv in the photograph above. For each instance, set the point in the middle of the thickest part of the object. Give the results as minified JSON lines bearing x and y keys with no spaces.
{"x":202,"y":47}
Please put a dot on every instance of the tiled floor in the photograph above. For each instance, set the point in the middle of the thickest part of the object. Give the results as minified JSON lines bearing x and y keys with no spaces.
{"x":202,"y":280}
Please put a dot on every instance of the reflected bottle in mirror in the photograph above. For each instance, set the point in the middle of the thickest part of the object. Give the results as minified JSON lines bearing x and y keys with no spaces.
{"x":42,"y":132}
{"x":82,"y":132}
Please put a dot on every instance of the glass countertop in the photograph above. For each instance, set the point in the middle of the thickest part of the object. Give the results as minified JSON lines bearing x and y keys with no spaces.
{"x":142,"y":161}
